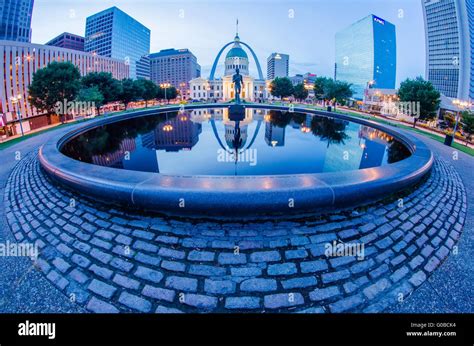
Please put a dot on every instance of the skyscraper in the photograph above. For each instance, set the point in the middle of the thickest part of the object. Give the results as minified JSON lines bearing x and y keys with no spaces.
{"x":15,"y":20}
{"x":68,"y":40}
{"x":113,"y":33}
{"x":367,"y":51}
{"x":278,"y":65}
{"x":449,"y":30}
{"x":174,"y":66}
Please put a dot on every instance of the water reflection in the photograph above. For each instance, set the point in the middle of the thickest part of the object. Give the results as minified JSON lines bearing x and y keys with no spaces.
{"x":189,"y":143}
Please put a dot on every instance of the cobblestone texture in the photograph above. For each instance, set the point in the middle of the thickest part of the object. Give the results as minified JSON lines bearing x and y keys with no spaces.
{"x":118,"y":261}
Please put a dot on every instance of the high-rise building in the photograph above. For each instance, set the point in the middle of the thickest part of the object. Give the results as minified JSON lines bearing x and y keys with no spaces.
{"x":366,"y":52}
{"x":174,"y":66}
{"x":20,"y":60}
{"x":143,"y":67}
{"x":15,"y":20}
{"x":67,"y":40}
{"x":278,"y":65}
{"x":449,"y":30}
{"x":113,"y":33}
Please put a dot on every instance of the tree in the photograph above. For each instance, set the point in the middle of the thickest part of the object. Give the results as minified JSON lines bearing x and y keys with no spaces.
{"x":148,"y":89}
{"x":168,"y":94}
{"x":130,"y":91}
{"x":300,"y":92}
{"x":337,"y":91}
{"x":319,"y":84}
{"x":59,"y":82}
{"x":109,"y":87}
{"x":92,"y":95}
{"x":281,"y":87}
{"x":468,"y":124}
{"x":422,"y":92}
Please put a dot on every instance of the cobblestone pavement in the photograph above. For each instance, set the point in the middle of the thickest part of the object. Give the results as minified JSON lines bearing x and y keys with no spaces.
{"x":108,"y":260}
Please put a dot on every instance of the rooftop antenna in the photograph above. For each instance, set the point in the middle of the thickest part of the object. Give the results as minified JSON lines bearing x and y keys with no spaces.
{"x":237,"y":27}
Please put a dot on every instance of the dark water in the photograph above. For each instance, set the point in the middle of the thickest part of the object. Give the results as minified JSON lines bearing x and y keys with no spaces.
{"x":208,"y":142}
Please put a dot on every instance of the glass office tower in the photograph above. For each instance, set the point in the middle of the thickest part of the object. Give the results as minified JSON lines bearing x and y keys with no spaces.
{"x":113,"y":33}
{"x":449,"y":29}
{"x":15,"y":20}
{"x":366,"y":52}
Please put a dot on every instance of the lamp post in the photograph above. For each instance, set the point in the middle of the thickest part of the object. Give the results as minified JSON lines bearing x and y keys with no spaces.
{"x":16,"y":100}
{"x":165,"y":86}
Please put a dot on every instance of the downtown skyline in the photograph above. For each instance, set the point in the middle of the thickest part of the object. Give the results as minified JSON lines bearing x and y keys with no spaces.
{"x":308,"y":53}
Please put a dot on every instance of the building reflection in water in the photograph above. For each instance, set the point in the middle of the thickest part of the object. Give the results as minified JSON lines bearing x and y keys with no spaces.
{"x":115,"y":158}
{"x":289,"y":143}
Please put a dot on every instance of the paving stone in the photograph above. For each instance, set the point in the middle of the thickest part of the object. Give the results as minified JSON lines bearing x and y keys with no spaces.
{"x":158,"y":293}
{"x":81,"y":261}
{"x":301,"y":282}
{"x":99,"y":306}
{"x":324,"y":293}
{"x":148,"y":274}
{"x":101,"y":271}
{"x":173,"y":266}
{"x":376,"y":288}
{"x":246,"y":271}
{"x":174,"y":254}
{"x":135,"y":302}
{"x":181,"y":283}
{"x":418,"y":278}
{"x":126,"y":282}
{"x":101,"y":288}
{"x":258,"y":285}
{"x":219,"y":286}
{"x":265,"y":256}
{"x":242,"y":303}
{"x":282,"y":269}
{"x":346,"y":304}
{"x":201,"y":256}
{"x":296,"y":254}
{"x":313,"y":266}
{"x":226,"y":258}
{"x":206,"y":270}
{"x":200,"y":301}
{"x":335,"y":276}
{"x":277,"y":301}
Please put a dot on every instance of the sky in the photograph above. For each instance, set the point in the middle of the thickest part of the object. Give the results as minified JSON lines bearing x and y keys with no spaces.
{"x":304,"y":29}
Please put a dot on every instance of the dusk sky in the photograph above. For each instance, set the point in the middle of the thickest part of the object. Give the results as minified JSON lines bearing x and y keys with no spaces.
{"x":304,"y":29}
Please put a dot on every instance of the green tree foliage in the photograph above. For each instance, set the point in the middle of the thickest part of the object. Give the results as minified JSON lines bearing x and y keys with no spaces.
{"x":167,"y":94}
{"x":337,"y":91}
{"x":92,"y":95}
{"x":319,"y":84}
{"x":57,"y":82}
{"x":300,"y":92}
{"x":131,"y":91}
{"x":148,"y":89}
{"x":109,"y":87}
{"x":422,"y":91}
{"x":281,"y":87}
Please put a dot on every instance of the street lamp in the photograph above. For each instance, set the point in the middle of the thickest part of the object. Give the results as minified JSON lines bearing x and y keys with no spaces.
{"x":165,"y":86}
{"x":16,"y":100}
